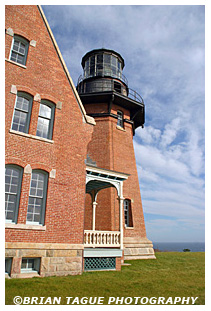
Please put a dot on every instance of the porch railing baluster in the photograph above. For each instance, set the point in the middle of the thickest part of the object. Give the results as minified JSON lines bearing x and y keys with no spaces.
{"x":101,"y":238}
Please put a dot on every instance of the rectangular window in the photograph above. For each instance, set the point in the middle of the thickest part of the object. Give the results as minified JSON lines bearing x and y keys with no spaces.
{"x":19,"y":50}
{"x":128,"y":213}
{"x":8,"y":265}
{"x":120,"y":118}
{"x":45,"y":120}
{"x":37,"y":198}
{"x":13,"y":179}
{"x":29,"y":265}
{"x":22,"y":113}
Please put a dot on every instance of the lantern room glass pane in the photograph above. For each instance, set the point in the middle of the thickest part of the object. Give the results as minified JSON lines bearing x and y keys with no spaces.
{"x":92,"y":65}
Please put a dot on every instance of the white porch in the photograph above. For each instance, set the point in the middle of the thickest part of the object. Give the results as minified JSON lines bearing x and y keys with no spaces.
{"x":95,"y":238}
{"x":96,"y":180}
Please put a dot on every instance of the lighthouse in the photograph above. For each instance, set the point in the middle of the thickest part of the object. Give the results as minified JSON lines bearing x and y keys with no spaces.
{"x":118,"y":111}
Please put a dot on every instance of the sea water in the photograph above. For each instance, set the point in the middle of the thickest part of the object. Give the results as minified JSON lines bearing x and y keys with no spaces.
{"x":179,"y":246}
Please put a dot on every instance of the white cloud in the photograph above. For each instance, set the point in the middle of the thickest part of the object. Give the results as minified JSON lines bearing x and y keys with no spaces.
{"x":156,"y":160}
{"x":170,"y":132}
{"x":149,"y":134}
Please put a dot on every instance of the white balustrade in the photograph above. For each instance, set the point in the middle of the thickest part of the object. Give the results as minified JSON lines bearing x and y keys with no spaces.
{"x":94,"y":238}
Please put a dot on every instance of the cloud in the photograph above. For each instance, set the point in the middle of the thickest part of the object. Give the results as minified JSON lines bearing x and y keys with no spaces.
{"x":170,"y":132}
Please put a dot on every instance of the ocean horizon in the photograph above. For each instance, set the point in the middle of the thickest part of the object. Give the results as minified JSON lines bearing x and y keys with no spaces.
{"x":179,"y":246}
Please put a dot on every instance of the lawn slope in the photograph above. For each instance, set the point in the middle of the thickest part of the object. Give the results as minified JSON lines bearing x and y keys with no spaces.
{"x":172,"y":274}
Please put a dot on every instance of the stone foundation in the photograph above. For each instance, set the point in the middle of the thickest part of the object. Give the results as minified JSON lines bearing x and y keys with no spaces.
{"x":55,"y":259}
{"x":138,"y":248}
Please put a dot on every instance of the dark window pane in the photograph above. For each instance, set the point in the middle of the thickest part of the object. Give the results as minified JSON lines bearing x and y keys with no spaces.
{"x":20,"y":59}
{"x":29,"y":217}
{"x":120,"y":118}
{"x":24,"y":263}
{"x":14,"y":56}
{"x":114,"y":61}
{"x":107,"y":58}
{"x":99,"y":58}
{"x":30,"y":263}
{"x":16,"y":46}
{"x":92,"y":60}
{"x":12,"y":176}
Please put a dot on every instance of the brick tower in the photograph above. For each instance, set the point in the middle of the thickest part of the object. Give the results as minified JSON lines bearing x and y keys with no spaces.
{"x":118,"y":111}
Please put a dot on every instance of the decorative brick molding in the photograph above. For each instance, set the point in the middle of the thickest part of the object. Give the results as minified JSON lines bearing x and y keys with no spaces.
{"x":10,"y":32}
{"x":33,"y":43}
{"x":59,"y":105}
{"x":13,"y":89}
{"x":37,"y":97}
{"x":52,"y":173}
{"x":27,"y":169}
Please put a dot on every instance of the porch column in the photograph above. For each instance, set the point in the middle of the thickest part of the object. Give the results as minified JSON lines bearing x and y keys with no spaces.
{"x":94,"y":204}
{"x":121,"y":202}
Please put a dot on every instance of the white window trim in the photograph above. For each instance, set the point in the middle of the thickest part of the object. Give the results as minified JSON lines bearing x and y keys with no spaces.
{"x":11,"y":61}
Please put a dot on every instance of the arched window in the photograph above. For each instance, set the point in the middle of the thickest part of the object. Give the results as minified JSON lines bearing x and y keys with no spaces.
{"x":45,"y":120}
{"x":19,"y":50}
{"x":13,"y":180}
{"x":22,"y":112}
{"x":128,"y":213}
{"x":37,"y":197}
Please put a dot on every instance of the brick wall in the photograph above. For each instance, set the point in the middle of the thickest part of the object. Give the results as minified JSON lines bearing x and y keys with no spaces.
{"x":44,"y":75}
{"x":112,"y":148}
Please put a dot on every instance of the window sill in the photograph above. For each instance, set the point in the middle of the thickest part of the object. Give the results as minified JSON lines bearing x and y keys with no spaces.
{"x":12,"y":62}
{"x":29,"y":271}
{"x":28,"y":274}
{"x":129,"y":228}
{"x":7,"y":275}
{"x":120,"y":128}
{"x":31,"y":136}
{"x":25,"y":227}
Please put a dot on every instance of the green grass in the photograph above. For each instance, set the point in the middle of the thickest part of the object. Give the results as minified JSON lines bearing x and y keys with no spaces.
{"x":172,"y":274}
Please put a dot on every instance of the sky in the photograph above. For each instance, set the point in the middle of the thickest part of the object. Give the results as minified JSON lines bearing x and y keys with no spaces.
{"x":164,"y":52}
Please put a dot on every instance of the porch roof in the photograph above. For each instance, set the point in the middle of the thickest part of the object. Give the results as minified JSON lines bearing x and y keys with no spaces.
{"x":100,"y":178}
